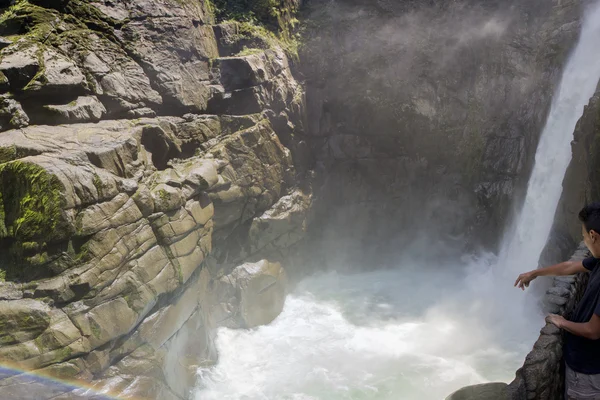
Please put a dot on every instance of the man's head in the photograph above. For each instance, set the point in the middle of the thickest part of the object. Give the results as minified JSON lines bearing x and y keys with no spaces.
{"x":590,"y":227}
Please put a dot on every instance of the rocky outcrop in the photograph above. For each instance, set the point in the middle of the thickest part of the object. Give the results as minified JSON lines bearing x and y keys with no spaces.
{"x":150,"y":193}
{"x":580,"y":185}
{"x":426,"y":115}
{"x":542,"y":375}
{"x":487,"y":391}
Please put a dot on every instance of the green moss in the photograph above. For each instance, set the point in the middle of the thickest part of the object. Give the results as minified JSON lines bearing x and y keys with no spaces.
{"x":8,"y":154}
{"x":3,"y":228}
{"x":39,"y":78}
{"x":31,"y":201}
{"x":261,"y":38}
{"x":245,"y":10}
{"x":44,"y":342}
{"x":92,"y":17}
{"x":29,"y":21}
{"x":164,"y":195}
{"x":31,"y":206}
{"x":210,"y":8}
{"x":248,"y":52}
{"x":38,"y":259}
{"x":83,"y":252}
{"x":98,"y":184}
{"x":32,"y":321}
{"x":96,"y":330}
{"x":273,"y":21}
{"x":62,"y":354}
{"x":30,"y":25}
{"x":80,"y":40}
{"x":2,"y":275}
{"x":175,"y":264}
{"x":179,"y":273}
{"x":30,"y":246}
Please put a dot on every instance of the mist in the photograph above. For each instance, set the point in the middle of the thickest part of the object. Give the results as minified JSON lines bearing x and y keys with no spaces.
{"x":415,"y":332}
{"x":425,"y":120}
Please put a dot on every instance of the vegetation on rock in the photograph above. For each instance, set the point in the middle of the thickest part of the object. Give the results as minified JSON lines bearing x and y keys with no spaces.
{"x":255,"y":11}
{"x":262,"y":24}
{"x":30,"y":206}
{"x":30,"y":213}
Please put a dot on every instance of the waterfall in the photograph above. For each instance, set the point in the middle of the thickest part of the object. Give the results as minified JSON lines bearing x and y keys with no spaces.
{"x":418,"y":331}
{"x":522,"y":248}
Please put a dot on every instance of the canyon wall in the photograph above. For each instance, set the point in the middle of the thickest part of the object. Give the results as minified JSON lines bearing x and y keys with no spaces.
{"x":426,"y":116}
{"x":542,"y":374}
{"x":160,"y":168}
{"x":153,"y":184}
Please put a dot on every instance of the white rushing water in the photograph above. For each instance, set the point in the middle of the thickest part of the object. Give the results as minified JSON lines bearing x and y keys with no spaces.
{"x":420,"y":331}
{"x":412,"y":334}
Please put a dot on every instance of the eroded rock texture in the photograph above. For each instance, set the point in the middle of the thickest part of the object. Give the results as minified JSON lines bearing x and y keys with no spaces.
{"x":149,"y":189}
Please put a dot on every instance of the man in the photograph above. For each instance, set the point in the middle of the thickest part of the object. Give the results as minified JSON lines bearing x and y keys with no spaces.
{"x":582,"y":344}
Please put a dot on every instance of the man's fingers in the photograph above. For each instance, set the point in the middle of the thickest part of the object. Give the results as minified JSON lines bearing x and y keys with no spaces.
{"x":517,"y":281}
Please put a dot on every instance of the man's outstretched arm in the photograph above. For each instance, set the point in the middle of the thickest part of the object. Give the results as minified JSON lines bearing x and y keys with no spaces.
{"x":564,"y":268}
{"x":588,"y":330}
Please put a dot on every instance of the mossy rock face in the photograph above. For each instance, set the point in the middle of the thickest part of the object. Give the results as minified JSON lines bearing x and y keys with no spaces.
{"x":262,"y":24}
{"x":22,"y":321}
{"x":30,"y":202}
{"x":26,"y":18}
{"x":262,"y":11}
{"x":486,"y":391}
{"x":31,"y":216}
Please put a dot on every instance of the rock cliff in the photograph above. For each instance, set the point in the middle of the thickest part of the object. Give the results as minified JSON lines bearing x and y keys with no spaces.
{"x":160,"y":163}
{"x":151,"y":169}
{"x":427,"y":114}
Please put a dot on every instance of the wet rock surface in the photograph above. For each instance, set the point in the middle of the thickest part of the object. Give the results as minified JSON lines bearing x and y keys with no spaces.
{"x":413,"y":102}
{"x":155,"y":168}
{"x":131,"y":151}
{"x":542,"y":374}
{"x":488,"y":391}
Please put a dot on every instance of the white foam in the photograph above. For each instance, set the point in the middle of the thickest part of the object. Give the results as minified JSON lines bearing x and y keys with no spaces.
{"x":334,"y":340}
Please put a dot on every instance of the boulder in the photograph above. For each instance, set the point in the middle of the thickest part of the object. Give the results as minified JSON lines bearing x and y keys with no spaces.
{"x":22,"y":320}
{"x":252,"y":295}
{"x":486,"y":391}
{"x":59,"y":76}
{"x":19,"y":64}
{"x":12,"y":114}
{"x":83,"y":109}
{"x":166,"y":198}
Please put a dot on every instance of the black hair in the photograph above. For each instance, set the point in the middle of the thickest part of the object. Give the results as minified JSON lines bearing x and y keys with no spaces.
{"x":590,"y":216}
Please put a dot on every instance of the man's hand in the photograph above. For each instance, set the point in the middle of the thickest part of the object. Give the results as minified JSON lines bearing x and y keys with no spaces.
{"x":523,"y":280}
{"x":557,"y":320}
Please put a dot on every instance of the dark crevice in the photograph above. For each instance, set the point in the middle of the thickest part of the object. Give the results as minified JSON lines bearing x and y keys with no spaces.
{"x":156,"y":142}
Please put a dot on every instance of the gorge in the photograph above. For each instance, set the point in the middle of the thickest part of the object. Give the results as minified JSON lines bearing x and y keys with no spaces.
{"x":171,"y":169}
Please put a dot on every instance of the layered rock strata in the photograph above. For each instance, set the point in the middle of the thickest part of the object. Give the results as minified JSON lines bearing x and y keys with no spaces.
{"x":149,"y":170}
